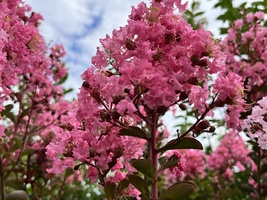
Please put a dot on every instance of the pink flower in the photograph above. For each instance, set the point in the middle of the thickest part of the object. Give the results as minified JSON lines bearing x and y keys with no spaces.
{"x":81,"y":151}
{"x":256,"y":124}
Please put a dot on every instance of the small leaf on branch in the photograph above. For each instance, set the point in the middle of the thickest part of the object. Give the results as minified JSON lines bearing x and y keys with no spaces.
{"x":140,"y":185}
{"x":145,"y":167}
{"x":7,"y":109}
{"x":178,"y":191}
{"x":110,"y":189}
{"x":122,"y":185}
{"x":183,"y":143}
{"x":134,"y":131}
{"x":171,"y":162}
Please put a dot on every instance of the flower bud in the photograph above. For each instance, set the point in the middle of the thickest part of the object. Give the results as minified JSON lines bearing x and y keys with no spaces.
{"x":76,"y":167}
{"x":192,"y":81}
{"x":139,"y":89}
{"x":265,"y":117}
{"x":212,"y":129}
{"x":117,"y":99}
{"x":96,"y":95}
{"x":86,"y":84}
{"x":194,"y":60}
{"x":69,"y":127}
{"x":182,"y":106}
{"x":183,"y":96}
{"x":203,"y":124}
{"x":115,"y":115}
{"x":202,"y":62}
{"x":126,"y":90}
{"x":104,"y":115}
{"x":130,"y":45}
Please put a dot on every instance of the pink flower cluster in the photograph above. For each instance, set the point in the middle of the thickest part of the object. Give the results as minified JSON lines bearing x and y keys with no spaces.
{"x":232,"y":152}
{"x":23,"y":55}
{"x":154,"y":62}
{"x":30,"y":74}
{"x":256,"y":123}
{"x":246,"y":53}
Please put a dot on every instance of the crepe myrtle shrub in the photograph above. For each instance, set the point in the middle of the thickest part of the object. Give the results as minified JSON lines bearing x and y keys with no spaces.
{"x":154,"y":64}
{"x":32,"y":105}
{"x":245,"y":46}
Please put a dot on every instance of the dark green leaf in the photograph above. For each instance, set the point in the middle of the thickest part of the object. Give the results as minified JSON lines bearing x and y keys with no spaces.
{"x":24,"y":113}
{"x":178,"y":191}
{"x":66,"y":91}
{"x":199,"y":13}
{"x":11,"y":116}
{"x":110,"y":189}
{"x":15,"y":184}
{"x":62,"y":80}
{"x":223,"y":30}
{"x":7,"y":109}
{"x":163,"y":160}
{"x":145,"y":167}
{"x":68,"y":172}
{"x":171,"y":162}
{"x":27,"y":151}
{"x":134,"y":131}
{"x":184,"y":143}
{"x":122,"y":185}
{"x":17,"y":195}
{"x":17,"y":145}
{"x":140,"y":185}
{"x":255,"y":176}
{"x":245,"y":187}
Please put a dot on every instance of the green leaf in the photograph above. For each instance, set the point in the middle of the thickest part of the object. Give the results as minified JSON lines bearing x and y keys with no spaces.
{"x":7,"y":109}
{"x":27,"y":152}
{"x":15,"y":184}
{"x":178,"y":191}
{"x":62,"y":80}
{"x":245,"y":187}
{"x":110,"y":189}
{"x":183,"y":143}
{"x":140,"y":185}
{"x":24,"y":113}
{"x":66,"y":91}
{"x":134,"y":131}
{"x":122,"y":185}
{"x":145,"y":167}
{"x":171,"y":162}
{"x":17,"y":195}
{"x":11,"y":116}
{"x":198,"y":14}
{"x":17,"y":145}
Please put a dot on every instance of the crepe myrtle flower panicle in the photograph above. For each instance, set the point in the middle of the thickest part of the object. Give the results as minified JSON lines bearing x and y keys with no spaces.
{"x":152,"y":62}
{"x":256,"y":123}
{"x":246,"y":53}
{"x":232,"y":152}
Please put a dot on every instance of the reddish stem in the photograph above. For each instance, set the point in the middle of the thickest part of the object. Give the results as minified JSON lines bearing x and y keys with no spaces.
{"x":154,"y":157}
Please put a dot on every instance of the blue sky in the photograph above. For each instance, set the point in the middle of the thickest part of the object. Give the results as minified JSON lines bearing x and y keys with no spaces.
{"x":79,"y":24}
